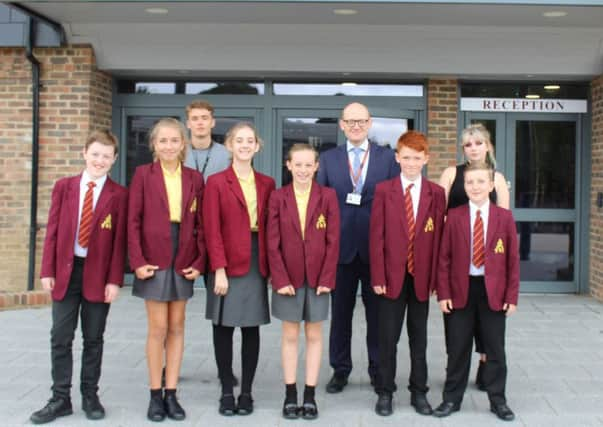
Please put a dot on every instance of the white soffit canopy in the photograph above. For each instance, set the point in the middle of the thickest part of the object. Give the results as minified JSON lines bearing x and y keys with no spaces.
{"x":266,"y":39}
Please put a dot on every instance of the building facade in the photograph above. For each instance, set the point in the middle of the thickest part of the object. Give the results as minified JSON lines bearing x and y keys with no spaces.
{"x":531,"y":72}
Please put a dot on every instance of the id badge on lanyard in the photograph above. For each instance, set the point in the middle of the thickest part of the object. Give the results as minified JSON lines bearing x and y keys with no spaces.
{"x":355,"y":198}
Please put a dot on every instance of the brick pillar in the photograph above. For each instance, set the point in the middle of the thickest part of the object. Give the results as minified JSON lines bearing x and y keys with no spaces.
{"x":596,"y":214}
{"x":75,"y":98}
{"x":442,"y":117}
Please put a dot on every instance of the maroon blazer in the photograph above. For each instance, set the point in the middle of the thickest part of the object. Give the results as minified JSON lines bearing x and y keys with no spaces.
{"x":501,"y":264}
{"x":149,"y":233}
{"x":293,"y":259}
{"x":226,"y":222}
{"x":388,"y":237}
{"x":106,"y":248}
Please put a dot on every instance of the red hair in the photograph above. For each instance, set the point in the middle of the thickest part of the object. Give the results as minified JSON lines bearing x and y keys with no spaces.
{"x":413,"y":139}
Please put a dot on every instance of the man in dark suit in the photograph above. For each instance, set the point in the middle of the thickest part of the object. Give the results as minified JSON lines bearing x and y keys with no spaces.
{"x":353,"y":170}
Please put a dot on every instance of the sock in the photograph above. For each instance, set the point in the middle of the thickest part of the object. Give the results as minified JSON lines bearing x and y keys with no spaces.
{"x":291,"y":393}
{"x":309,"y":393}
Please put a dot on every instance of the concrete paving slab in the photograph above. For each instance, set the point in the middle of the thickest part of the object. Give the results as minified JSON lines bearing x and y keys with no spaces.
{"x":554,"y":347}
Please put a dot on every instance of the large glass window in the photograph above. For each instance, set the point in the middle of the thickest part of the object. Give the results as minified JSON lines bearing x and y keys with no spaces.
{"x":545,"y":164}
{"x":521,"y":90}
{"x":348,"y":89}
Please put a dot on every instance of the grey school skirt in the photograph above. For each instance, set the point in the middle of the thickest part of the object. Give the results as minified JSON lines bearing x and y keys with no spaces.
{"x":165,"y":285}
{"x":304,"y":305}
{"x":246,"y":302}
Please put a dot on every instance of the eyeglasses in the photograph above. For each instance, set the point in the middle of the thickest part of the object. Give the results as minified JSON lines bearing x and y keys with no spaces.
{"x":470,"y":143}
{"x":351,"y":123}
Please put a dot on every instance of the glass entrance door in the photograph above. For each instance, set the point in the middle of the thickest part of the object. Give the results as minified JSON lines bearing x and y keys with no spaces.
{"x":540,"y":158}
{"x":320,"y":128}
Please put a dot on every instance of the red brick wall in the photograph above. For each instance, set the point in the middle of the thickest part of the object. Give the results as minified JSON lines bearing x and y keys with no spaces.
{"x":596,"y":214}
{"x":442,"y":116}
{"x":75,"y":98}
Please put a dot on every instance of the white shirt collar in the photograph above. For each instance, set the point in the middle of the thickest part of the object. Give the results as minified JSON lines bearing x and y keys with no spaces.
{"x":86,"y":178}
{"x":484,"y":209}
{"x":364,"y":146}
{"x":406,"y":182}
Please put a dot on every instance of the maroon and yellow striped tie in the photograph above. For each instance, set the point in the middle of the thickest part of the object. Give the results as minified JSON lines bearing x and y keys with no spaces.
{"x":478,"y":241}
{"x":86,"y":218}
{"x":410,"y":217}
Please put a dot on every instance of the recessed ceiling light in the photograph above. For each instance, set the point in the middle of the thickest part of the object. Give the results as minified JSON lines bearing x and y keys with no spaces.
{"x":534,"y":96}
{"x":552,"y":87}
{"x":345,"y":12}
{"x":346,"y":73}
{"x":156,"y":10}
{"x":349,"y":84}
{"x":554,"y":14}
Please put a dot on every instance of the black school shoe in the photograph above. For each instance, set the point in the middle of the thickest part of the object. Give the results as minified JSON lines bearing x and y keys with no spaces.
{"x":156,"y":411}
{"x":309,"y":410}
{"x":56,"y":407}
{"x":227,"y":405}
{"x":92,"y":407}
{"x":172,"y":407}
{"x":290,"y":410}
{"x":245,"y":404}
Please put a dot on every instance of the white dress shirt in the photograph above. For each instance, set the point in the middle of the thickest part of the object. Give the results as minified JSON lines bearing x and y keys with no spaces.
{"x":415,"y":192}
{"x":364,"y":147}
{"x":100,"y":182}
{"x":484,"y":210}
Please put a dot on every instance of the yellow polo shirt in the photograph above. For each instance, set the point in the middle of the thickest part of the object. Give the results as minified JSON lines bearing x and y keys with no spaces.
{"x":251,"y":198}
{"x":302,"y":198}
{"x":173,"y":187}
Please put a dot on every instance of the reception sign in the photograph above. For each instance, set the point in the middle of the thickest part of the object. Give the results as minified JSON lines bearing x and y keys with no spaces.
{"x":523,"y":105}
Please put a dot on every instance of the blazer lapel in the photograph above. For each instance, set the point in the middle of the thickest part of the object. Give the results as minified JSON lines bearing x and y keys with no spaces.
{"x":373,"y":165}
{"x":103,"y":199}
{"x":73,"y":201}
{"x":397,"y":195}
{"x":291,"y":206}
{"x":492,"y":226}
{"x":424,"y":204}
{"x":315,"y":196}
{"x":466,"y":228}
{"x":344,"y":161}
{"x":235,"y":187}
{"x":159,"y":183}
{"x":187,"y":190}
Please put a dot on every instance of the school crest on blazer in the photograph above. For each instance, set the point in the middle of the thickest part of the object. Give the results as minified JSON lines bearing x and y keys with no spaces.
{"x":429,"y":225}
{"x":321,"y":222}
{"x":500,"y":248}
{"x":106,"y":224}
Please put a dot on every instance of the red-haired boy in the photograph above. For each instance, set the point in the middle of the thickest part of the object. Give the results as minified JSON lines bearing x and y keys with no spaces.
{"x":406,"y":226}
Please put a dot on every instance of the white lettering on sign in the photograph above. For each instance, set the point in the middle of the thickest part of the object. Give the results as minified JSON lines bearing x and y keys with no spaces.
{"x":525,"y":105}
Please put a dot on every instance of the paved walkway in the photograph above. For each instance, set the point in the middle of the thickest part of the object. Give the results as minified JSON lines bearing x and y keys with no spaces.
{"x":554,"y":349}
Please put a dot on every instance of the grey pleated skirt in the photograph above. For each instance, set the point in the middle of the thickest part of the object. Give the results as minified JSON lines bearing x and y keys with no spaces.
{"x":165,"y":285}
{"x":246,"y":303}
{"x":305,"y":305}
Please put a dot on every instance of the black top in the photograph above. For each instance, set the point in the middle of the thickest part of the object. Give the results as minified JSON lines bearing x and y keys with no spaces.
{"x":457,"y":196}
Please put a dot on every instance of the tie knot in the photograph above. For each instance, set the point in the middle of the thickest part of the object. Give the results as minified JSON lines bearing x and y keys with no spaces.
{"x":91,"y":185}
{"x":357,"y":150}
{"x":409,"y":187}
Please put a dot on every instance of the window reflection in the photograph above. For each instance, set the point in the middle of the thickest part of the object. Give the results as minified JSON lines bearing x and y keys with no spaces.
{"x":490,"y":125}
{"x":137,"y":135}
{"x":386,"y":131}
{"x":224,"y":88}
{"x":218,"y":133}
{"x":150,"y":88}
{"x":546,"y":251}
{"x":321,"y":133}
{"x":545,"y":164}
{"x":340,"y":89}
